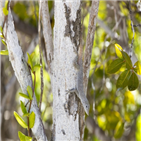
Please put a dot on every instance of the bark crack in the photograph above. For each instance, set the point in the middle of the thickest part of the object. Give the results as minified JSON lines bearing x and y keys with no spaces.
{"x":73,"y":27}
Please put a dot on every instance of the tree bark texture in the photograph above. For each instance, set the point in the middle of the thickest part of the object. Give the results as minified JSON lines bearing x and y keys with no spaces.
{"x":22,"y":73}
{"x":64,"y":74}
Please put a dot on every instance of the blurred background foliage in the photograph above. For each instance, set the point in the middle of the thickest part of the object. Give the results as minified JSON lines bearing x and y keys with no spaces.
{"x":114,"y":115}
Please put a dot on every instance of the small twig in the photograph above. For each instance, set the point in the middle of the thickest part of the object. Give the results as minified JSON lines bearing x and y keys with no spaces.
{"x":28,"y":126}
{"x":5,"y":19}
{"x":35,"y":11}
{"x":33,"y":88}
{"x":132,"y":27}
{"x":136,"y":25}
{"x":41,"y":73}
{"x":39,"y":31}
{"x":31,"y":101}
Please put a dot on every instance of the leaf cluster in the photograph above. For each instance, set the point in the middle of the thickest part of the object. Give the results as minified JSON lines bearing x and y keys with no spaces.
{"x":30,"y":116}
{"x":129,"y":76}
{"x":3,"y":52}
{"x":31,"y":64}
{"x":5,"y":12}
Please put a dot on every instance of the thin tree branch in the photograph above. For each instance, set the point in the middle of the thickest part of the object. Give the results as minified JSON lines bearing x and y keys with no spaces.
{"x":47,"y":32}
{"x":132,"y":27}
{"x":119,"y":41}
{"x":87,"y":56}
{"x":89,"y":41}
{"x":22,"y":73}
{"x":41,"y":70}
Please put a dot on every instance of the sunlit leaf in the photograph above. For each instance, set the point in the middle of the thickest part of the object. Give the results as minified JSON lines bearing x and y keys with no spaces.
{"x":32,"y":55}
{"x":133,"y":82}
{"x":128,"y":98}
{"x":119,"y":129}
{"x":29,"y":90}
{"x":29,"y":61}
{"x":24,"y":95}
{"x":6,"y":4}
{"x":26,"y":115}
{"x":20,"y":120}
{"x":123,"y":79}
{"x":115,"y":66}
{"x":1,"y":35}
{"x":137,"y":68}
{"x":127,"y":60}
{"x":5,"y":11}
{"x":101,"y":122}
{"x":118,"y":49}
{"x":3,"y":41}
{"x":22,"y":137}
{"x":1,"y":30}
{"x":4,"y":52}
{"x":23,"y":108}
{"x":138,"y":128}
{"x":28,"y":138}
{"x":113,"y":118}
{"x":127,"y":116}
{"x":31,"y":119}
{"x":36,"y":67}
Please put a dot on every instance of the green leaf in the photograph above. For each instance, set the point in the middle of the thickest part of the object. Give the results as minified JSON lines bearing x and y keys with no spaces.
{"x":6,"y":4}
{"x":1,"y":30}
{"x":3,"y":41}
{"x":128,"y":98}
{"x":36,"y":67}
{"x":1,"y":35}
{"x":127,"y":60}
{"x":138,"y":128}
{"x":22,"y":137}
{"x":24,"y":95}
{"x":26,"y":115}
{"x":4,"y":52}
{"x":23,"y":108}
{"x":123,"y":79}
{"x":20,"y":120}
{"x":118,"y":49}
{"x":5,"y":11}
{"x":137,"y":68}
{"x":29,"y":90}
{"x":119,"y":129}
{"x":31,"y":119}
{"x":133,"y":82}
{"x":115,"y":66}
{"x":29,"y":61}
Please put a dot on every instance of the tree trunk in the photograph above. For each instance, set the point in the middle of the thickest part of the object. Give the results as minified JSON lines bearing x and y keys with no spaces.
{"x":68,"y":113}
{"x":64,"y":75}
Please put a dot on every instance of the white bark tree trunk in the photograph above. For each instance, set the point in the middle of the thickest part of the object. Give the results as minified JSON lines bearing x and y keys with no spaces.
{"x":68,"y":113}
{"x":22,"y":73}
{"x":64,"y":75}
